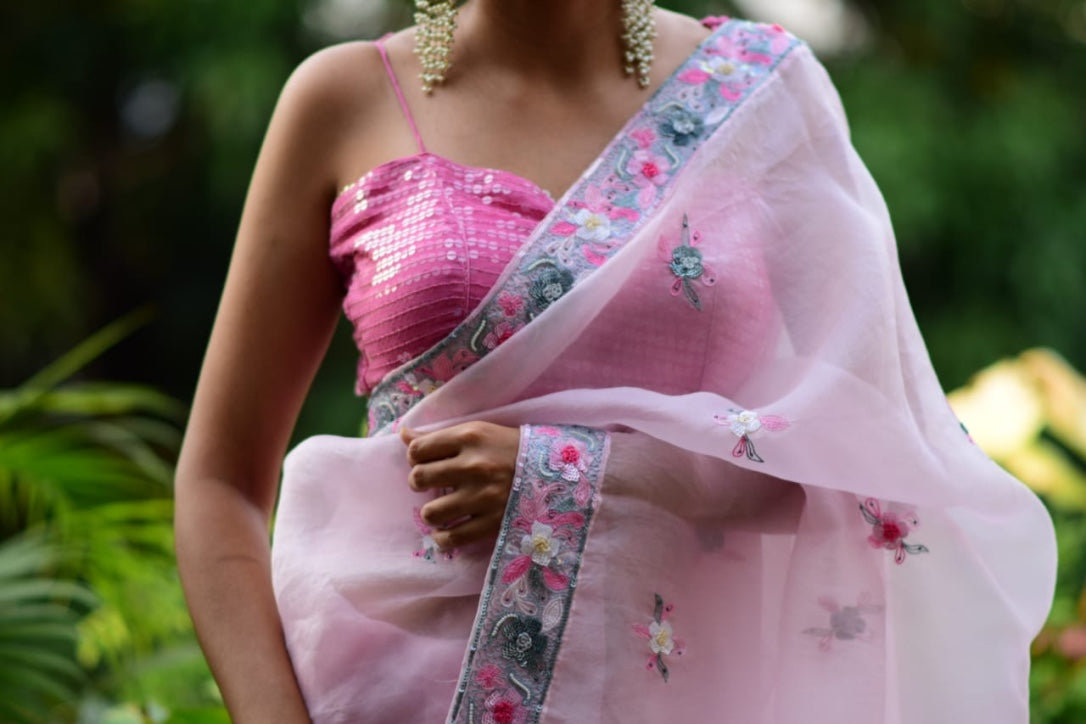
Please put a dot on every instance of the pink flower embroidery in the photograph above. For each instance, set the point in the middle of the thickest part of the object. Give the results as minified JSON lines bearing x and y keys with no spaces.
{"x":647,"y":167}
{"x":444,"y":367}
{"x":889,"y":530}
{"x":412,"y":387}
{"x":739,"y":47}
{"x":502,"y":708}
{"x":488,"y":676}
{"x":429,"y":550}
{"x":498,"y":334}
{"x":661,"y":638}
{"x":643,"y":137}
{"x":743,"y":424}
{"x":503,"y":711}
{"x":510,"y":303}
{"x":648,"y":171}
{"x":571,"y":460}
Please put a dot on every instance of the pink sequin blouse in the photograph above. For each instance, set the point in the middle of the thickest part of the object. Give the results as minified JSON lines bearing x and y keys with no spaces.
{"x":419,"y":242}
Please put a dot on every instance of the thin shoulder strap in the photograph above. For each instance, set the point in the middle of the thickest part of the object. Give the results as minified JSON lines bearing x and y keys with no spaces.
{"x":399,"y":94}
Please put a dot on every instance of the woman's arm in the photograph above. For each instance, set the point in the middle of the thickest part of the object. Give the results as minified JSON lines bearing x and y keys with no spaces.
{"x":474,"y":464}
{"x":275,"y":319}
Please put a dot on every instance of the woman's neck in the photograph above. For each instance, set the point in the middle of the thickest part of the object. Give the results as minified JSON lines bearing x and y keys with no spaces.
{"x":557,"y":38}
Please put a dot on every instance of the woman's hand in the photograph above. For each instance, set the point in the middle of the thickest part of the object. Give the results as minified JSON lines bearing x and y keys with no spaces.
{"x":474,"y":463}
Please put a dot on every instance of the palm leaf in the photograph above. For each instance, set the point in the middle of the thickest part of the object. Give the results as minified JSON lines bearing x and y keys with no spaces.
{"x":38,"y":631}
{"x":86,"y":352}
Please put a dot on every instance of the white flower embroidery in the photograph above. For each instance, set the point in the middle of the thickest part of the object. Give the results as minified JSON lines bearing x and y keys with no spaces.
{"x":719,"y":67}
{"x":592,"y":225}
{"x":744,"y":423}
{"x":540,"y":544}
{"x":661,"y":638}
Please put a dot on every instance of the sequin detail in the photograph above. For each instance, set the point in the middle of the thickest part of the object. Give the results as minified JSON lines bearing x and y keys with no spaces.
{"x":419,"y":242}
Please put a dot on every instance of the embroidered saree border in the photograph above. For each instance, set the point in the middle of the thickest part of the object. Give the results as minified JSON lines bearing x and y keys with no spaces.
{"x":525,"y":604}
{"x":604,"y":209}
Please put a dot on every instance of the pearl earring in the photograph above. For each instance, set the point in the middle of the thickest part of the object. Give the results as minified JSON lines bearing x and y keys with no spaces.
{"x":435,"y":21}
{"x":639,"y":25}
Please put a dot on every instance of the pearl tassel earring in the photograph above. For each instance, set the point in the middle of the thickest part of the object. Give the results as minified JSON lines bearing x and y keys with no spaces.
{"x":435,"y":21}
{"x":639,"y":25}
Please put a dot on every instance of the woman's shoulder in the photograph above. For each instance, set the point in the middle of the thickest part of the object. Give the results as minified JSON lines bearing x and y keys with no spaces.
{"x":343,"y":77}
{"x":336,"y":104}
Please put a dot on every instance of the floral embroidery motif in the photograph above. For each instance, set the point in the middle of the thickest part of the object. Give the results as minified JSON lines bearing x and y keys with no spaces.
{"x":591,"y":225}
{"x":687,"y":264}
{"x":680,"y":125}
{"x":534,"y":572}
{"x":498,"y":334}
{"x":501,"y":708}
{"x":661,"y":638}
{"x":743,"y":424}
{"x":847,"y":623}
{"x":605,"y":208}
{"x":500,"y":704}
{"x":646,"y":167}
{"x":539,"y":547}
{"x":524,"y":642}
{"x":429,"y":550}
{"x":547,"y":287}
{"x":510,"y":304}
{"x":889,"y":530}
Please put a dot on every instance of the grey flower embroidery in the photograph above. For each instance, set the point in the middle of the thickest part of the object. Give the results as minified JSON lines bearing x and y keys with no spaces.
{"x":524,"y":640}
{"x":548,"y":287}
{"x":847,"y":623}
{"x":681,"y":126}
{"x":687,"y":263}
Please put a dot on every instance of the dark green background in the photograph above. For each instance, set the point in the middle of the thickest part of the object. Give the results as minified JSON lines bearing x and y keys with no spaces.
{"x":971,"y":114}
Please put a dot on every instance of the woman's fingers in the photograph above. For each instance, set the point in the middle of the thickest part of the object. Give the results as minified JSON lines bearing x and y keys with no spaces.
{"x":451,"y":441}
{"x":468,"y":469}
{"x":430,"y":446}
{"x":478,"y":528}
{"x":473,"y":464}
{"x":435,"y":476}
{"x":468,"y":500}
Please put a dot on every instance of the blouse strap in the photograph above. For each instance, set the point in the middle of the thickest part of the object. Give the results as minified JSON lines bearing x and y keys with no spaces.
{"x":399,"y":94}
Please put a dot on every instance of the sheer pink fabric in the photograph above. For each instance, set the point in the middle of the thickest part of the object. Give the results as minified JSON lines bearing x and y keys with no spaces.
{"x":741,"y":496}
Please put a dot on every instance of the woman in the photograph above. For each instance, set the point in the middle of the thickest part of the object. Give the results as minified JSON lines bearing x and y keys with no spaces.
{"x":670,"y":446}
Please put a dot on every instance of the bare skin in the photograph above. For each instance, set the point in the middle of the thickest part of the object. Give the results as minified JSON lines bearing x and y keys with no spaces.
{"x":536,"y":89}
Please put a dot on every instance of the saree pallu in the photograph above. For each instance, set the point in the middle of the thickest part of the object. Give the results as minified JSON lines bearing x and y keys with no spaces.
{"x":740,"y":494}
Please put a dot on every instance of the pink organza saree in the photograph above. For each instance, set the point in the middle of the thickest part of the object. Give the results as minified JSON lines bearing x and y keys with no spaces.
{"x":740,"y":495}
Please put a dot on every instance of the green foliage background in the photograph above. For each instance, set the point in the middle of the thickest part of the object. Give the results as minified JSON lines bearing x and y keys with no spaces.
{"x":970,"y":113}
